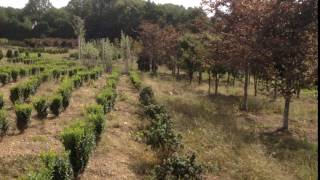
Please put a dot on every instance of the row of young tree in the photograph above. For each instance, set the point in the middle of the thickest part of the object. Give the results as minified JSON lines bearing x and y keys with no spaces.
{"x":274,"y":41}
{"x":102,"y":18}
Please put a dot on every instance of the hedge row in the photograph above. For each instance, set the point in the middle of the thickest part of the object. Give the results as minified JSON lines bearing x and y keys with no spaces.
{"x":22,"y":91}
{"x":23,"y":60}
{"x":60,"y":100}
{"x":81,"y":138}
{"x":135,"y":79}
{"x":45,"y":50}
{"x":163,"y":140}
{"x":10,"y":73}
{"x":108,"y":95}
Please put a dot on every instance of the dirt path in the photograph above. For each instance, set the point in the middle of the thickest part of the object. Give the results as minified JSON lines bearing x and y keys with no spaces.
{"x":43,"y":135}
{"x":118,"y":155}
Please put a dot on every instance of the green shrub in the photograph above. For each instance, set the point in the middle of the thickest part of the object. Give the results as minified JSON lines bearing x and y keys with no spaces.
{"x":56,"y":104}
{"x":135,"y":79}
{"x":153,"y":110}
{"x":27,"y":54}
{"x":94,"y":109}
{"x":14,"y":74}
{"x":1,"y":101}
{"x":146,"y":96}
{"x":9,"y":54}
{"x":39,"y":55}
{"x":179,"y":167}
{"x":95,"y":116}
{"x":160,"y":137}
{"x":58,"y":166}
{"x":77,"y":82}
{"x":4,"y":123}
{"x":65,"y":91}
{"x":79,"y":139}
{"x":16,"y":94}
{"x":23,"y":72}
{"x":23,"y":113}
{"x":107,"y":99}
{"x":41,"y":106}
{"x":16,"y":53}
{"x":4,"y":78}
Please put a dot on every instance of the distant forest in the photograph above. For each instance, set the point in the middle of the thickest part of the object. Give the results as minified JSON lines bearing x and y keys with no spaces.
{"x":39,"y":19}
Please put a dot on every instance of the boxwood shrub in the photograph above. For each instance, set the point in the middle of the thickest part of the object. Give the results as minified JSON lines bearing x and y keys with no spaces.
{"x":56,"y":104}
{"x":95,"y":116}
{"x":23,"y":113}
{"x":146,"y":96}
{"x":79,"y":140}
{"x":41,"y":105}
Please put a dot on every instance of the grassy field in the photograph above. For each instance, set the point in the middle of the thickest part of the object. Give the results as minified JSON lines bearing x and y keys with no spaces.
{"x":238,"y":145}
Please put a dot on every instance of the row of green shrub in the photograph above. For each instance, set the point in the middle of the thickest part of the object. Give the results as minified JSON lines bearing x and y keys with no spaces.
{"x":60,"y":100}
{"x":24,"y":90}
{"x":11,"y":53}
{"x":163,"y":140}
{"x":135,"y":79}
{"x":45,"y":50}
{"x":108,"y":95}
{"x":79,"y":140}
{"x":23,"y":60}
{"x":11,"y":73}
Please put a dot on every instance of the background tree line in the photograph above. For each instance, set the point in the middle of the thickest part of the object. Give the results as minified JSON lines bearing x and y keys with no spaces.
{"x":107,"y":18}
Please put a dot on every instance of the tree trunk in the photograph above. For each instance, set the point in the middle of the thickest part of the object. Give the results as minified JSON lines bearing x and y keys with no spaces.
{"x":228,"y":80}
{"x":190,"y":77}
{"x":255,"y":79}
{"x":79,"y":47}
{"x":298,"y":90}
{"x":200,"y":78}
{"x":286,"y":114}
{"x":234,"y":80}
{"x":275,"y":92}
{"x":216,"y":84}
{"x":209,"y":83}
{"x":267,"y":86}
{"x":178,"y":72}
{"x":245,"y":88}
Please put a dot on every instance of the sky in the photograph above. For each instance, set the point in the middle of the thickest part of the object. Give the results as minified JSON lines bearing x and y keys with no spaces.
{"x":62,"y":3}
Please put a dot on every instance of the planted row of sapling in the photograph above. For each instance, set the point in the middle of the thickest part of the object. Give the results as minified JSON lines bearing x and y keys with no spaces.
{"x":41,"y":104}
{"x":12,"y":73}
{"x":160,"y":135}
{"x":80,"y":138}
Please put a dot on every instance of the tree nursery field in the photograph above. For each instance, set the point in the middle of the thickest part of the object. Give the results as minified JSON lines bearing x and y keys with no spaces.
{"x":132,"y":89}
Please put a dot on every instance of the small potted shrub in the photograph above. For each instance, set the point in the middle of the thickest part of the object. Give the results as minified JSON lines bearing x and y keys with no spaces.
{"x":56,"y":105}
{"x":9,"y":54}
{"x":41,"y":106}
{"x":23,"y":113}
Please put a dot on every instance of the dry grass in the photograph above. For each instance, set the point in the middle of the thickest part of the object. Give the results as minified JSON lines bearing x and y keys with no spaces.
{"x":236,"y":145}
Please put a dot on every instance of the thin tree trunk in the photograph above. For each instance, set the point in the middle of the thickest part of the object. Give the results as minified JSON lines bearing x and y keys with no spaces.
{"x":190,"y":77}
{"x":234,"y":80}
{"x":245,"y":88}
{"x":275,"y":92}
{"x":79,"y":47}
{"x":209,"y":83}
{"x":286,"y":114}
{"x":255,"y":79}
{"x":200,"y":78}
{"x":216,"y":84}
{"x":228,"y":80}
{"x":178,"y":72}
{"x":298,"y":90}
